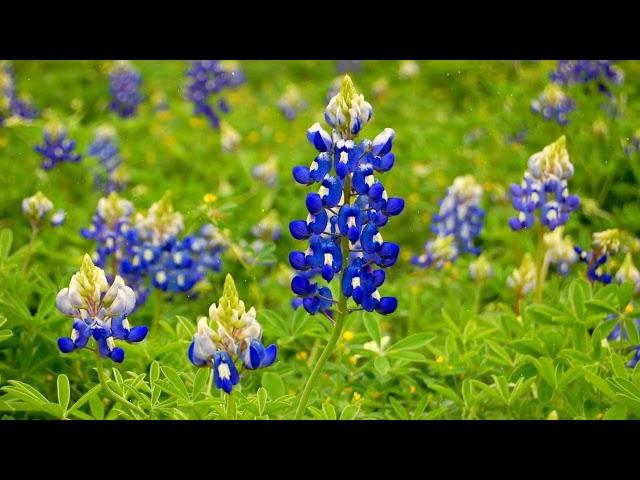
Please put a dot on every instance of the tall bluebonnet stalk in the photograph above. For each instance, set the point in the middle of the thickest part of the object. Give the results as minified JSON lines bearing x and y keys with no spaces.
{"x":36,"y":208}
{"x":456,"y":226}
{"x":57,"y":147}
{"x":344,"y":221}
{"x":601,"y":72}
{"x":207,"y":78}
{"x":125,"y":82}
{"x":11,"y":106}
{"x":543,"y":197}
{"x":105,"y":147}
{"x":231,"y":334}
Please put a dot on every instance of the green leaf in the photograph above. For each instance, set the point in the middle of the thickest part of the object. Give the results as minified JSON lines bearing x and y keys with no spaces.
{"x":6,"y":239}
{"x":274,"y":385}
{"x":542,"y":313}
{"x":401,"y":412}
{"x":625,"y":292}
{"x":349,"y":412}
{"x":329,"y":411}
{"x":200,"y":381}
{"x":600,"y":384}
{"x":85,"y":398}
{"x":261,"y":397}
{"x":407,"y":355}
{"x":529,"y":347}
{"x":372,"y":324}
{"x":600,"y":306}
{"x":5,"y":334}
{"x":176,"y":381}
{"x":64,"y":392}
{"x":553,"y":342}
{"x":632,"y":331}
{"x":420,"y":407}
{"x":317,"y":413}
{"x":381,"y":364}
{"x":546,"y":370}
{"x":526,"y":370}
{"x":569,"y":376}
{"x":96,"y":406}
{"x":617,"y":412}
{"x":412,"y":342}
{"x":447,"y":393}
{"x":579,"y":291}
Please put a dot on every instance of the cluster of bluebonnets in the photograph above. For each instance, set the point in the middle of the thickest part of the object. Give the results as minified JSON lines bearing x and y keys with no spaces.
{"x":148,"y":251}
{"x":136,"y":252}
{"x":11,"y":105}
{"x":346,"y":215}
{"x":456,"y":225}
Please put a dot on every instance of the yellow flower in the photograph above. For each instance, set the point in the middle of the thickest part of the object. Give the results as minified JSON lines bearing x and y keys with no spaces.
{"x":412,"y":389}
{"x":356,"y":397}
{"x":353,"y":359}
{"x":440,"y":359}
{"x":628,"y":309}
{"x":302,"y":355}
{"x":348,"y":335}
{"x":209,"y":198}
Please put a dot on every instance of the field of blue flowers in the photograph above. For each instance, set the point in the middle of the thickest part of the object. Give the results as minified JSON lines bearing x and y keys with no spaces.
{"x":319,"y":239}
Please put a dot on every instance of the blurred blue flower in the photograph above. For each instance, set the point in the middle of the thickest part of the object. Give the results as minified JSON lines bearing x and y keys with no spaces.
{"x":461,"y":218}
{"x":207,"y":78}
{"x":553,"y":104}
{"x":104,"y":147}
{"x":602,"y":72}
{"x":125,"y":89}
{"x":10,"y":105}
{"x":56,"y":147}
{"x":544,"y":189}
{"x":603,"y":245}
{"x":345,"y":170}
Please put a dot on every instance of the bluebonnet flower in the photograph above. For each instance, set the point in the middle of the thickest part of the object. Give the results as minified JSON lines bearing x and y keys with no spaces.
{"x":602,"y":72}
{"x":457,"y":224}
{"x":12,"y":107}
{"x":268,"y":228}
{"x":553,"y":104}
{"x":208,"y":78}
{"x":620,"y":333}
{"x":291,"y":102}
{"x":159,"y":102}
{"x":267,"y":172}
{"x":99,"y":310}
{"x":603,"y":245}
{"x":559,"y":251}
{"x":230,"y":334}
{"x":125,"y":89}
{"x":544,"y":189}
{"x":56,"y":147}
{"x":37,"y":207}
{"x":348,"y":212}
{"x":104,"y":146}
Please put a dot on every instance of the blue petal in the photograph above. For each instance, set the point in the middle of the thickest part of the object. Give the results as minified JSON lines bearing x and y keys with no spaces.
{"x":117,"y":355}
{"x":65,"y":344}
{"x":137,"y":334}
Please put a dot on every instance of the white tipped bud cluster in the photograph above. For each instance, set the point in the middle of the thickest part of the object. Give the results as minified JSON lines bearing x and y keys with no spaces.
{"x":466,"y":190}
{"x":559,"y":248}
{"x":606,"y":242}
{"x":113,"y":208}
{"x":36,"y":207}
{"x":629,"y":273}
{"x":161,"y":222}
{"x":89,"y":295}
{"x":229,"y":137}
{"x":480,"y":270}
{"x":523,"y":278}
{"x":106,"y":132}
{"x":348,"y":111}
{"x":552,"y":162}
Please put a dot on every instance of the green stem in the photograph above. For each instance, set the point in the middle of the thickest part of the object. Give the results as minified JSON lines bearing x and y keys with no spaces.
{"x":32,"y":239}
{"x":476,"y":298}
{"x":539,"y":266}
{"x":341,"y":314}
{"x":231,"y":407}
{"x":110,"y":393}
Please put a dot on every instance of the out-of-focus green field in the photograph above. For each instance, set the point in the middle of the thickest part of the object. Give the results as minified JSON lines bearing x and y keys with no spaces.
{"x":453,"y":118}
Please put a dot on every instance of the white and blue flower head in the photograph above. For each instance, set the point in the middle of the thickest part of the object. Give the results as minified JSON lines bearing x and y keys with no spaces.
{"x":560,"y":250}
{"x":603,"y":245}
{"x":553,"y":104}
{"x":544,"y":189}
{"x":13,"y":110}
{"x":230,"y":334}
{"x":291,"y":103}
{"x":345,"y":168}
{"x":105,"y":148}
{"x":100,"y":311}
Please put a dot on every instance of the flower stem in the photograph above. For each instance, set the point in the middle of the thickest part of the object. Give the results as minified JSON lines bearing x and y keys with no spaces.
{"x":231,"y":406}
{"x":110,"y":393}
{"x":341,"y":313}
{"x":32,"y":239}
{"x":539,"y":266}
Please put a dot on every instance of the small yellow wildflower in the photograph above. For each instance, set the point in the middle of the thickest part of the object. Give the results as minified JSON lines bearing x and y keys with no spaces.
{"x":353,"y":359}
{"x":628,"y":309}
{"x":209,"y":198}
{"x":356,"y":397}
{"x":348,"y":335}
{"x":302,"y":355}
{"x":412,"y":389}
{"x":440,"y":359}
